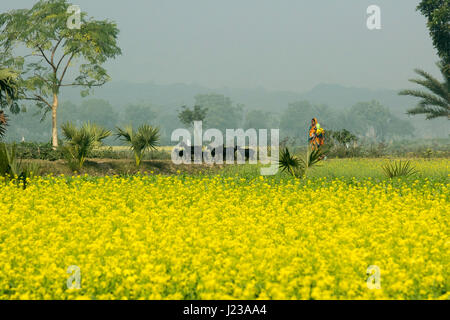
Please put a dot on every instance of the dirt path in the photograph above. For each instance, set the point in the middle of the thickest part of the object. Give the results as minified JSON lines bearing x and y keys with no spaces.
{"x":101,"y":167}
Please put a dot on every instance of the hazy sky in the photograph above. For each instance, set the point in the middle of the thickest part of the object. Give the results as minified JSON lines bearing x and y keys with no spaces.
{"x":276,"y":44}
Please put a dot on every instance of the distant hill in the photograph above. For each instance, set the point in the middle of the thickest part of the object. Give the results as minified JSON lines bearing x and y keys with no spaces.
{"x":175,"y":95}
{"x":340,"y":97}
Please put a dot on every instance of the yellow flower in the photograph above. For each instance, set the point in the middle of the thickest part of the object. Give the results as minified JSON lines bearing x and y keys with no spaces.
{"x":214,"y":237}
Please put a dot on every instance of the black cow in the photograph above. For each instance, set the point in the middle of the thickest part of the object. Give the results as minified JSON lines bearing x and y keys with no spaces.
{"x":246,"y":152}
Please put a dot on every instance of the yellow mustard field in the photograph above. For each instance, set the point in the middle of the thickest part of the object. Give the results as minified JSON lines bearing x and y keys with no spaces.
{"x":214,"y":237}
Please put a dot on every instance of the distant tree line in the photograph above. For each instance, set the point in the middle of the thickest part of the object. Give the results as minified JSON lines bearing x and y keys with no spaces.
{"x":368,"y":120}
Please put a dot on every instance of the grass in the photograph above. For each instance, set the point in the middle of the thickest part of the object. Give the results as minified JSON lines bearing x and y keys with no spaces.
{"x":344,"y":169}
{"x":102,"y":167}
{"x":351,"y":168}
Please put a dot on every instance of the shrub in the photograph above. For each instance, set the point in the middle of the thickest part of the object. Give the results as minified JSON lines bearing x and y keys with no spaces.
{"x":290,"y":163}
{"x":298,"y":167}
{"x":146,"y":137}
{"x":398,"y":169}
{"x":81,"y":141}
{"x":12,"y":168}
{"x":42,"y":151}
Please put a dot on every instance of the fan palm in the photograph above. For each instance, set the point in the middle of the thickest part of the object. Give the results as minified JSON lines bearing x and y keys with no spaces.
{"x":146,"y":137}
{"x":298,"y":167}
{"x":313,"y":157}
{"x":289,"y":163}
{"x":81,"y":141}
{"x":435,"y":103}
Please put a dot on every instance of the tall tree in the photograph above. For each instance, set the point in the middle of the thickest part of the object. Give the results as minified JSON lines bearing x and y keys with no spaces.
{"x":188,"y":116}
{"x":53,"y":51}
{"x":221,"y":112}
{"x":295,"y":120}
{"x":375,"y":121}
{"x":436,"y":102}
{"x":258,"y":119}
{"x":139,"y":114}
{"x":437,"y":13}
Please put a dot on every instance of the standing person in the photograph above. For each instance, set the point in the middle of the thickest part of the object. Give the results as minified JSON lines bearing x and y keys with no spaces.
{"x":316,"y":135}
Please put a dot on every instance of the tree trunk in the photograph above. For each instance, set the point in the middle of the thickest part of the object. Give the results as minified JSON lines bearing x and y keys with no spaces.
{"x":54,"y":123}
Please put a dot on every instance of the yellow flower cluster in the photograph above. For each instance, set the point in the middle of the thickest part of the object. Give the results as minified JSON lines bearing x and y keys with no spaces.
{"x":212,"y":237}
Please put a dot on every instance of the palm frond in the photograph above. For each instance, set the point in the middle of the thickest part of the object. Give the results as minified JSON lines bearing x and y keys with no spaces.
{"x":97,"y":132}
{"x":431,"y":83}
{"x":428,"y":99}
{"x":146,"y":137}
{"x":313,"y":157}
{"x":9,"y":89}
{"x":125,"y":134}
{"x":289,"y":163}
{"x":435,"y":103}
{"x":69,"y":130}
{"x":81,"y":141}
{"x":445,"y":71}
{"x":430,"y":112}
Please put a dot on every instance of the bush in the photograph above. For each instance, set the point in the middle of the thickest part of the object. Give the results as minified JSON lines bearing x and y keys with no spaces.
{"x":144,"y":138}
{"x":110,"y":153}
{"x":398,"y":169}
{"x":42,"y":151}
{"x":13,"y":168}
{"x":339,"y":151}
{"x":80,"y":142}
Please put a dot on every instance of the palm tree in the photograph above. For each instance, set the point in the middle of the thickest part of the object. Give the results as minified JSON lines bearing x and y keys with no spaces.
{"x":290,"y":163}
{"x":3,"y":123}
{"x":81,"y":141}
{"x":8,"y":96}
{"x":146,"y":137}
{"x":298,"y":167}
{"x":436,"y":103}
{"x":9,"y":89}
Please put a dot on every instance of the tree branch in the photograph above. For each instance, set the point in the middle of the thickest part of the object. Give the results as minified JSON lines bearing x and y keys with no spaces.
{"x":83,"y":84}
{"x":38,"y":98}
{"x":43,"y":79}
{"x":45,"y":57}
{"x":32,"y":55}
{"x":54,"y":50}
{"x":65,"y":69}
{"x":60,"y":60}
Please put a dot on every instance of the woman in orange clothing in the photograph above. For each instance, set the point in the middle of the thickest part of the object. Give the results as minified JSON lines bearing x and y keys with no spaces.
{"x":316,"y":138}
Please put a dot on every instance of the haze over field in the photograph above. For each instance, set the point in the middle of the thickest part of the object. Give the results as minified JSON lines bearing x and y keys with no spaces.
{"x":262,"y":54}
{"x":247,"y":150}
